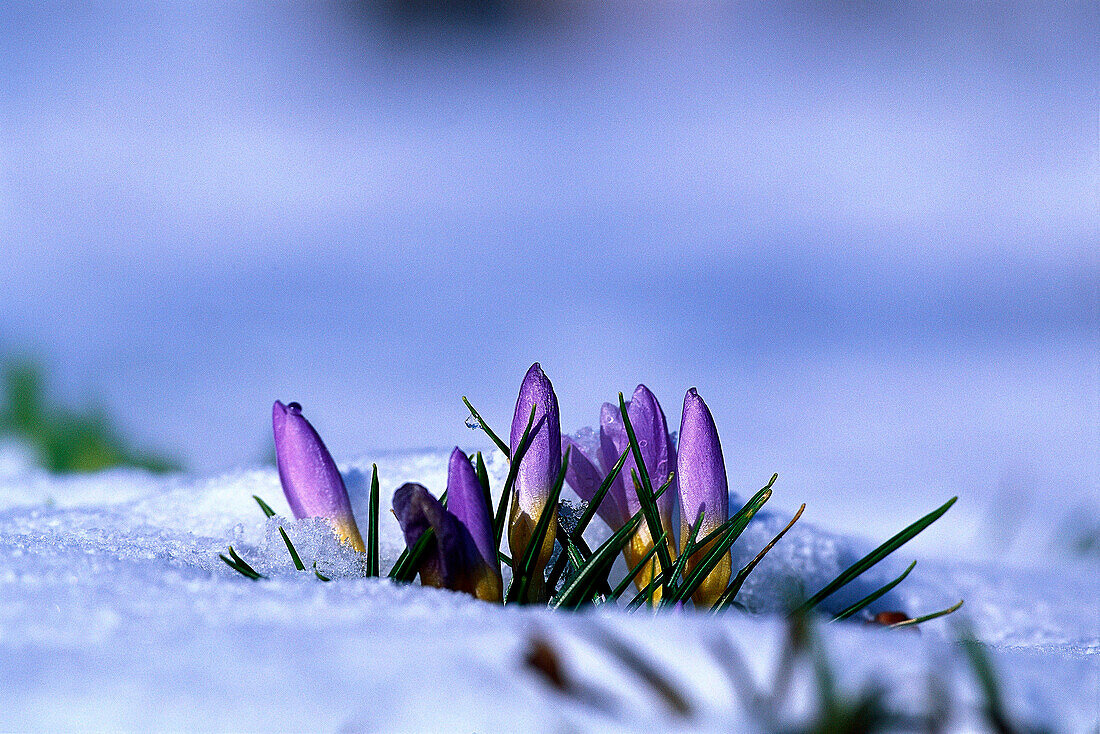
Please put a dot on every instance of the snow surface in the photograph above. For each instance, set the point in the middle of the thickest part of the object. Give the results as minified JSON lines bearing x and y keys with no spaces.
{"x":116,"y":613}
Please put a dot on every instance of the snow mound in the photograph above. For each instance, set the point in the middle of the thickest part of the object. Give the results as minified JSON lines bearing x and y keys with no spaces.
{"x":118,"y":613}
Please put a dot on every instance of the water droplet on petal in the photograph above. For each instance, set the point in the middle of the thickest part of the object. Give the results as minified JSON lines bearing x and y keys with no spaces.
{"x":642,"y":443}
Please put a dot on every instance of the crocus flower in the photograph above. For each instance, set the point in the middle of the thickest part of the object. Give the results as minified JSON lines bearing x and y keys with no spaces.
{"x":538,"y":468}
{"x":462,"y":555}
{"x":659,"y":455}
{"x":621,"y":502}
{"x":702,"y":475}
{"x":311,"y":482}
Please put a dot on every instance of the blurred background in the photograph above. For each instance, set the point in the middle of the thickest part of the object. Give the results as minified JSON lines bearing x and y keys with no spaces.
{"x":867,"y":232}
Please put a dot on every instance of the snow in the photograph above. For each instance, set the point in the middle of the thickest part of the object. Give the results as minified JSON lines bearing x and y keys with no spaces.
{"x":118,"y":614}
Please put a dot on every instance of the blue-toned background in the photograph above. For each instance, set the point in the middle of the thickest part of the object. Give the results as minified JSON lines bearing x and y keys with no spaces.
{"x":866,"y":232}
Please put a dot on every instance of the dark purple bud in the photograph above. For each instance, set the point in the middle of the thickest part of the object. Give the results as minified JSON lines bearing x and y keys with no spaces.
{"x":452,"y":559}
{"x":701,"y":472}
{"x":311,"y":482}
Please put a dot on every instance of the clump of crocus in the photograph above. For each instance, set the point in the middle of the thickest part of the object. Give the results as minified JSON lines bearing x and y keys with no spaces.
{"x":621,"y":501}
{"x":537,"y":471}
{"x":462,"y":555}
{"x":701,"y":473}
{"x":311,"y":482}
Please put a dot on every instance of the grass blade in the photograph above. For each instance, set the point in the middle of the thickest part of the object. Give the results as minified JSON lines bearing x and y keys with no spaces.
{"x":682,"y":592}
{"x":633,"y":573}
{"x":488,"y":431}
{"x":513,"y":472}
{"x":996,"y":713}
{"x":929,"y":617}
{"x":406,"y":568}
{"x":735,"y":586}
{"x":682,"y":560}
{"x":318,"y":574}
{"x":483,"y":478}
{"x":372,"y":524}
{"x":293,"y":551}
{"x":873,"y":596}
{"x":644,"y":490}
{"x":264,"y":506}
{"x":525,"y":570}
{"x":243,"y":564}
{"x":721,"y":529}
{"x":248,"y":573}
{"x":646,"y":593}
{"x":875,"y":556}
{"x":579,"y":587}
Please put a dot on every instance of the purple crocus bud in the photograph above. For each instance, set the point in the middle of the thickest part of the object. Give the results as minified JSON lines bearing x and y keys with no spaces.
{"x":311,"y":482}
{"x":651,"y":430}
{"x":452,"y":559}
{"x":466,"y":501}
{"x":585,"y":479}
{"x":538,"y":468}
{"x":701,"y":472}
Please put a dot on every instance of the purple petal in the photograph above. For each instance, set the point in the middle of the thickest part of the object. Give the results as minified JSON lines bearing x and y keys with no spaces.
{"x":701,"y":470}
{"x":651,"y":430}
{"x":585,"y":479}
{"x":452,"y":560}
{"x":539,"y":467}
{"x":466,"y":501}
{"x":311,"y":482}
{"x":702,"y":476}
{"x":613,"y":438}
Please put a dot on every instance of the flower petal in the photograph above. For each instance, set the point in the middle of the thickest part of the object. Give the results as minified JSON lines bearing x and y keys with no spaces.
{"x":311,"y":482}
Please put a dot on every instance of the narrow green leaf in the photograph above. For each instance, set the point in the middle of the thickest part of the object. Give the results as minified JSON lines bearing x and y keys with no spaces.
{"x":996,"y":713}
{"x":647,"y":593}
{"x":485,"y":427}
{"x":483,"y":479}
{"x":651,"y":587}
{"x":873,"y":596}
{"x":525,"y":570}
{"x":683,"y":592}
{"x":633,"y":573}
{"x":513,"y":472}
{"x":929,"y":617}
{"x":264,"y":506}
{"x":572,"y":549}
{"x":242,"y":563}
{"x":408,"y":565}
{"x":239,"y":569}
{"x":735,"y":586}
{"x":678,"y":568}
{"x":721,"y":529}
{"x":372,"y":524}
{"x":581,"y":584}
{"x":504,"y":559}
{"x":644,"y":490}
{"x":875,"y":556}
{"x":293,"y":551}
{"x":318,"y":574}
